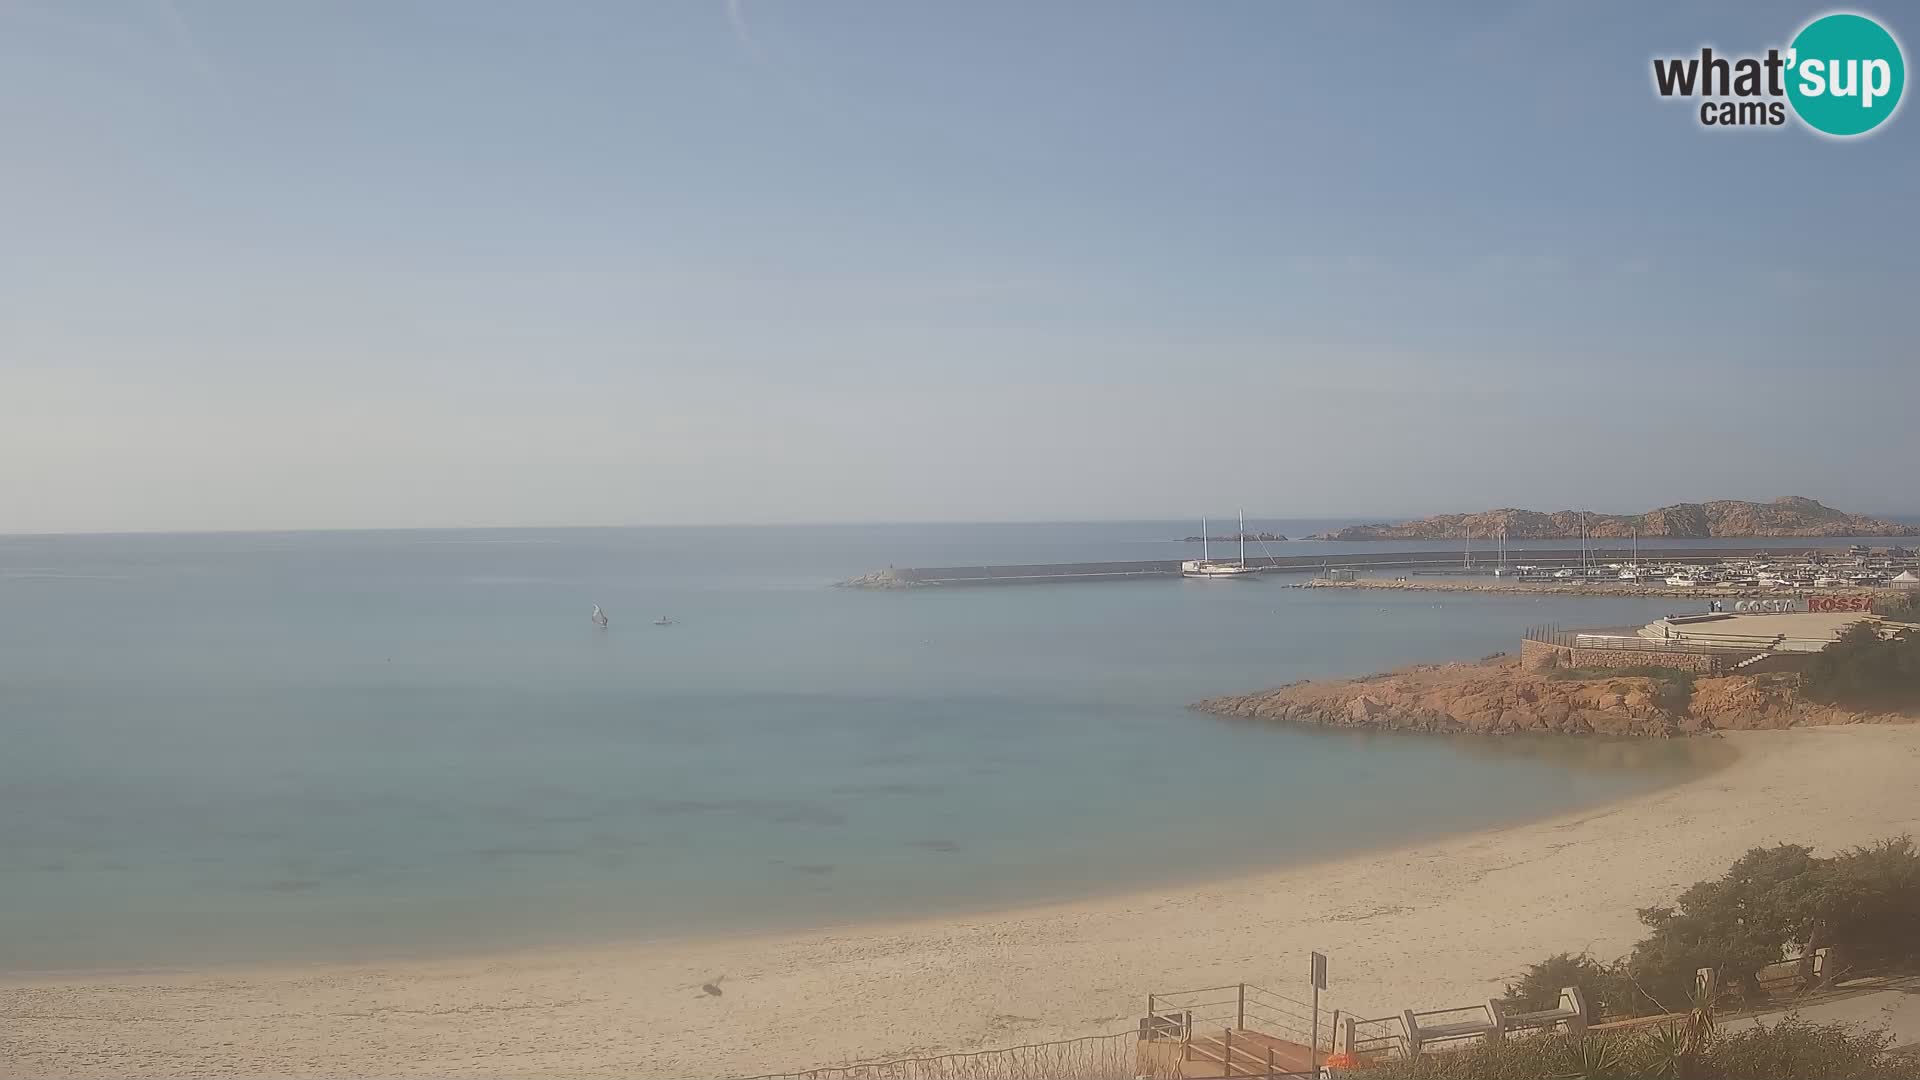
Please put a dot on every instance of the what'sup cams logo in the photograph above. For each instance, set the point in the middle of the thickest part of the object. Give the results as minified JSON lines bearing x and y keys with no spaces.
{"x":1842,"y":76}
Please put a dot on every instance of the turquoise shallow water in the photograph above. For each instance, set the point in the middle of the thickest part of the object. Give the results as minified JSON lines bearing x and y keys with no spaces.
{"x":237,"y":748}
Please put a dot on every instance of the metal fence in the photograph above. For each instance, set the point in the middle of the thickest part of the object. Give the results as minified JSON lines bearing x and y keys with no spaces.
{"x":1097,"y":1057}
{"x":1587,"y":639}
{"x":1242,"y":1006}
{"x":1381,"y":1039}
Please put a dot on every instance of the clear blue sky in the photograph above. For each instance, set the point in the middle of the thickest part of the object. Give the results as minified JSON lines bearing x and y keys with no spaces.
{"x":269,"y":265}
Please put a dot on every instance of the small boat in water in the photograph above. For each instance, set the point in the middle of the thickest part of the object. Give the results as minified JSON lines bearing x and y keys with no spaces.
{"x":663,"y":621}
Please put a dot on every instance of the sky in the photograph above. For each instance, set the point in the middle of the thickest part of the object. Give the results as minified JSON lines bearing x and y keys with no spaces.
{"x":396,"y":264}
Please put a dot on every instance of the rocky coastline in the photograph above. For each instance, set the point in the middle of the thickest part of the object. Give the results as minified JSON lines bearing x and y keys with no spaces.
{"x":1496,"y":696}
{"x":1787,"y":516}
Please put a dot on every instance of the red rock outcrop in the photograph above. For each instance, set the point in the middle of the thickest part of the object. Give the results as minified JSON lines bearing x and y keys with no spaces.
{"x":1496,"y":696}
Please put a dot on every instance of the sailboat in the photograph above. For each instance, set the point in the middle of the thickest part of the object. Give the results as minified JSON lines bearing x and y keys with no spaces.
{"x":599,"y":617}
{"x":1631,"y":571}
{"x":1205,"y":567}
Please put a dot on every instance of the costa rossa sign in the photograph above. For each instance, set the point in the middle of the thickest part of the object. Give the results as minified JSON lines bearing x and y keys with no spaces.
{"x":1759,"y":606}
{"x":1848,"y":602}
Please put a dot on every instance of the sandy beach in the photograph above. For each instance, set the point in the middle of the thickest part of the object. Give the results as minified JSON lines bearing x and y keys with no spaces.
{"x":1431,"y":925}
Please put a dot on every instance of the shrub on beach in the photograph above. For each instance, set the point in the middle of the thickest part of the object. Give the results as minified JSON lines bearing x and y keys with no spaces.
{"x":1789,"y":1050}
{"x":1770,"y":903}
{"x":1864,"y":670}
{"x":1904,"y":605}
{"x":1607,"y":989}
{"x":1803,"y":1051}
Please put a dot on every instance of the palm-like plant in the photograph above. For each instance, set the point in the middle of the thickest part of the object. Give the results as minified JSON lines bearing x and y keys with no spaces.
{"x":1670,"y":1053}
{"x":1592,"y":1058}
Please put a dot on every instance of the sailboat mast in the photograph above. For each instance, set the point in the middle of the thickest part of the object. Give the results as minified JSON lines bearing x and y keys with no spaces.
{"x":1243,"y":538}
{"x":1206,"y":553}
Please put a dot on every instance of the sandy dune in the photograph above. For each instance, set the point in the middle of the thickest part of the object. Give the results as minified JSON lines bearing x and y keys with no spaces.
{"x":1437,"y":924}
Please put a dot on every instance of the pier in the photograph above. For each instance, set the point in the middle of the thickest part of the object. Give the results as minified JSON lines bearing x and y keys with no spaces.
{"x":1417,"y":562}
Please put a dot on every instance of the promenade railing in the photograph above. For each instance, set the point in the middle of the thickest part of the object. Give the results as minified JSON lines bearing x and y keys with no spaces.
{"x":1096,"y":1057}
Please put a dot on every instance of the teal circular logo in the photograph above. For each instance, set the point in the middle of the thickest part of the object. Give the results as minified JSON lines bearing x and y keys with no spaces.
{"x":1845,"y":74}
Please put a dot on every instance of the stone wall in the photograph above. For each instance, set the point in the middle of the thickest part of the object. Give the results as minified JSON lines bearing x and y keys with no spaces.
{"x":1678,"y":659}
{"x":1541,"y":656}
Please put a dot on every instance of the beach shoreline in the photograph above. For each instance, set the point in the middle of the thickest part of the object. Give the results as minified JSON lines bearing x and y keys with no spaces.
{"x":1423,"y":925}
{"x":1715,"y":757}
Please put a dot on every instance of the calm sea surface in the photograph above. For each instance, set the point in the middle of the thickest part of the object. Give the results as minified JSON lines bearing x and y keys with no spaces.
{"x":232,"y":748}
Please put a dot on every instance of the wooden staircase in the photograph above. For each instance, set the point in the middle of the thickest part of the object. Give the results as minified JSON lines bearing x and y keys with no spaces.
{"x":1241,"y":1053}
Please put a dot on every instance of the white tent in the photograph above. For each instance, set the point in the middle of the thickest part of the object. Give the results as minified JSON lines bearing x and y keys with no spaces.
{"x":1907,"y":580}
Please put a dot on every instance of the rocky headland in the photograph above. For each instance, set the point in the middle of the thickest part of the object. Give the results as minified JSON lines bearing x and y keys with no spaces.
{"x":1790,"y":515}
{"x":1496,"y":696}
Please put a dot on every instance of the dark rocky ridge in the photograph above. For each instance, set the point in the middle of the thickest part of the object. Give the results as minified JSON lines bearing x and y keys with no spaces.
{"x":1789,"y":515}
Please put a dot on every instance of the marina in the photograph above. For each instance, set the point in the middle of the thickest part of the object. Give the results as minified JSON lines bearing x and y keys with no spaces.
{"x":1765,"y":566}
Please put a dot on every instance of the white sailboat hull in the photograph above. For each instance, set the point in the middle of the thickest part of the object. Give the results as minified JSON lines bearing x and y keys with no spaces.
{"x":1217,"y":571}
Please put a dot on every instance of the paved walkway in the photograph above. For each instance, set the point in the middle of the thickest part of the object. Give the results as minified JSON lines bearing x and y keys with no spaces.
{"x":1893,"y":1004}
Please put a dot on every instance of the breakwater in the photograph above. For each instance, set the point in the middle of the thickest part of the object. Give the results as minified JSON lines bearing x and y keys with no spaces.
{"x":1361,"y":561}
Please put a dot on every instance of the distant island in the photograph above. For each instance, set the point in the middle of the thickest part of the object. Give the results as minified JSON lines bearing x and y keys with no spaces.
{"x":1790,"y":515}
{"x":1232,"y":538}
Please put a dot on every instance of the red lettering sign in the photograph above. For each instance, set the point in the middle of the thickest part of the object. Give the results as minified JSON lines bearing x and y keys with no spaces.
{"x":1851,"y":602}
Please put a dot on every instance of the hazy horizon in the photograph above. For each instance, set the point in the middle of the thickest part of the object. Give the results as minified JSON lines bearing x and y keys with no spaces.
{"x":410,"y":265}
{"x":1905,"y":517}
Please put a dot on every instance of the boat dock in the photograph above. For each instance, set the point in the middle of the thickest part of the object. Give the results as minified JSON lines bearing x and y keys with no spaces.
{"x":1363,"y":562}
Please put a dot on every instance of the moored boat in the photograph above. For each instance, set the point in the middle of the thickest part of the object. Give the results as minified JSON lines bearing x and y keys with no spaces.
{"x":1204,"y":568}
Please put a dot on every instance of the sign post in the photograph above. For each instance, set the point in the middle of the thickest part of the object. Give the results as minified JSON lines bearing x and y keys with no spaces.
{"x":1318,"y":976}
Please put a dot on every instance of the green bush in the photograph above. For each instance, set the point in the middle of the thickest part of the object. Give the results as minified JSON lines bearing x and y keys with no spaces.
{"x":1861,"y":669}
{"x":1607,"y":990}
{"x":1804,"y":1051}
{"x":1790,"y":1050}
{"x":1871,"y":896}
{"x":1736,"y":924}
{"x":1904,"y":605}
{"x":1770,"y":903}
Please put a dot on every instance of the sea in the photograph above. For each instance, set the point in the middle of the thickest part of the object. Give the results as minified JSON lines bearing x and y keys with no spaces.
{"x":253,"y":748}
